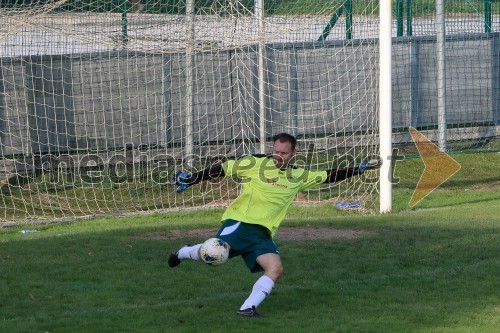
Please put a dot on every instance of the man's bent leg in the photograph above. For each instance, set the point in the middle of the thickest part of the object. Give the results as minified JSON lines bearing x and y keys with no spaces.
{"x":273,"y":269}
{"x":271,"y":263}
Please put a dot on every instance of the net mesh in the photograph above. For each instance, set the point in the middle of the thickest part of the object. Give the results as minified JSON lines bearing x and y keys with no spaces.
{"x":100,"y":101}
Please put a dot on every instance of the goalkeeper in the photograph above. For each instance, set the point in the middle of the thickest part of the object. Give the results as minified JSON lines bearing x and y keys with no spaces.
{"x":249,"y":224}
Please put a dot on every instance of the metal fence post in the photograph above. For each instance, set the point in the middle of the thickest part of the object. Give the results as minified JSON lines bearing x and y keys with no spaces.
{"x":487,"y":15}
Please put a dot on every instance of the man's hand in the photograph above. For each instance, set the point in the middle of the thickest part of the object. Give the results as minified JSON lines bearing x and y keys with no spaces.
{"x":180,"y":179}
{"x":370,"y":165}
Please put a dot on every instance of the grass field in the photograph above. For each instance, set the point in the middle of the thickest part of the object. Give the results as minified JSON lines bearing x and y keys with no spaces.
{"x":433,"y":268}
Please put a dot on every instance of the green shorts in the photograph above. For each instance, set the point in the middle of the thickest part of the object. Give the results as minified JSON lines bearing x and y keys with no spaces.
{"x":247,"y":240}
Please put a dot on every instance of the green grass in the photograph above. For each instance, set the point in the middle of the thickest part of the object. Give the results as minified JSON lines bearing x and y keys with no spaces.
{"x":477,"y":180}
{"x":430,"y":270}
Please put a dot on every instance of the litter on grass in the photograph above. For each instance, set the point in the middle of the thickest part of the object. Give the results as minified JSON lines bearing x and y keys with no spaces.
{"x":349,"y":205}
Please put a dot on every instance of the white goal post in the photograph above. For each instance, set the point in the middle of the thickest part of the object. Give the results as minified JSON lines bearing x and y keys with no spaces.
{"x":385,"y":98}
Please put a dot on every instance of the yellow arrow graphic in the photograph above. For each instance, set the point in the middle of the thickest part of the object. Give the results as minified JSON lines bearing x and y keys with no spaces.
{"x":439,"y":166}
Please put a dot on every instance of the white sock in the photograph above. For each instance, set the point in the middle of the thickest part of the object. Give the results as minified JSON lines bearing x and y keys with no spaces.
{"x":189,"y":252}
{"x":260,"y":290}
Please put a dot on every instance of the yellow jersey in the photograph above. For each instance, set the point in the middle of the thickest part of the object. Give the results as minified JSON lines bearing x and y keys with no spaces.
{"x":267,"y":190}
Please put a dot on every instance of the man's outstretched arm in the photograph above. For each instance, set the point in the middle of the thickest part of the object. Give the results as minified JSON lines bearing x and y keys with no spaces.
{"x":337,"y":175}
{"x":184,"y":180}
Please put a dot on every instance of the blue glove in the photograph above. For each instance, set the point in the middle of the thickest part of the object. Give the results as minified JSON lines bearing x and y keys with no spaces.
{"x":180,"y":179}
{"x":370,"y":165}
{"x":362,"y":166}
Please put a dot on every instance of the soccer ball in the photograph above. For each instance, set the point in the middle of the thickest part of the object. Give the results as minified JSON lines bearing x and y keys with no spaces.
{"x":214,"y":251}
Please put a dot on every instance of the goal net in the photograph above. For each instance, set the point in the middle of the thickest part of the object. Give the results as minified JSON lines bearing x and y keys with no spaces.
{"x":100,"y":101}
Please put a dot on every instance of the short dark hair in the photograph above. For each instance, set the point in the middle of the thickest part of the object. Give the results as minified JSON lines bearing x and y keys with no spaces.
{"x":285,"y":137}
